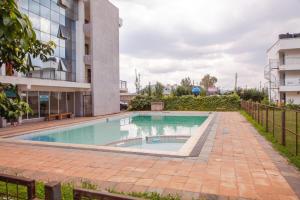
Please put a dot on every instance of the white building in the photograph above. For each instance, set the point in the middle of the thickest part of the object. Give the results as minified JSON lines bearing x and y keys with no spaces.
{"x":82,"y":77}
{"x":283,"y":69}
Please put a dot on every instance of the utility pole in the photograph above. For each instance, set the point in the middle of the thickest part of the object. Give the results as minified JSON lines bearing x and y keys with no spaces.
{"x":235,"y":82}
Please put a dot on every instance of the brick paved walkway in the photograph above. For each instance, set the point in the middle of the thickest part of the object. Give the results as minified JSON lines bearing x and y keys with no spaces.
{"x":239,"y":165}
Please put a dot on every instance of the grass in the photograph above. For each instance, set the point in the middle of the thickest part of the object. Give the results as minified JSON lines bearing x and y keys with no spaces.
{"x":67,"y":192}
{"x":283,"y":150}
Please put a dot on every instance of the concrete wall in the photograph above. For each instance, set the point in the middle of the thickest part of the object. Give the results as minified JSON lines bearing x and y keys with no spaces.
{"x":105,"y":57}
{"x":80,"y":66}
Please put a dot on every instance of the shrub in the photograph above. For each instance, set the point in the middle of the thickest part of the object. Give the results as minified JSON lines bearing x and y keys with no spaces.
{"x":189,"y":103}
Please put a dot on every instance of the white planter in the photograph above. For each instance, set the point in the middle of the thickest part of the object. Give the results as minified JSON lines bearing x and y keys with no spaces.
{"x":3,"y":122}
{"x":157,"y":106}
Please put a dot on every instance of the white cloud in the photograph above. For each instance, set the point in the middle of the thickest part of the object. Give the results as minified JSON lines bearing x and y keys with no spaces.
{"x":167,"y":40}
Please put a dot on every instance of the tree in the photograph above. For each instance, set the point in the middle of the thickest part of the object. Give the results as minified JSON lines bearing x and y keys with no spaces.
{"x":18,"y":39}
{"x":137,"y":82}
{"x":158,"y":90}
{"x":186,"y":82}
{"x":17,"y":42}
{"x":208,"y":81}
{"x":185,"y":87}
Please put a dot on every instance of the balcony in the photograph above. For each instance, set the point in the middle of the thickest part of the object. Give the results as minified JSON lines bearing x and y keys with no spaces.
{"x":123,"y":86}
{"x":87,"y":59}
{"x":87,"y":29}
{"x":290,"y":85}
{"x":290,"y":64}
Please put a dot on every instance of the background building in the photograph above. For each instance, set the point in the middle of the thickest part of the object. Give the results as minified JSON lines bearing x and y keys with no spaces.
{"x":82,"y":77}
{"x":283,"y":69}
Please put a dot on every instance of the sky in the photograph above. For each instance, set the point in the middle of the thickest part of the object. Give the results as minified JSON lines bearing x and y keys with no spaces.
{"x":167,"y":40}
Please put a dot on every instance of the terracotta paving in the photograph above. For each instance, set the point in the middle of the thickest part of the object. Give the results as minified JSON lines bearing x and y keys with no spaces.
{"x":239,"y":166}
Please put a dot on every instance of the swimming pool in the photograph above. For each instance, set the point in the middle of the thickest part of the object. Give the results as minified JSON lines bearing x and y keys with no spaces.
{"x":144,"y":132}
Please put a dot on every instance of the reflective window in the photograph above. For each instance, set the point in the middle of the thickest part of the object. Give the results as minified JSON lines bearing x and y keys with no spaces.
{"x":55,"y":40}
{"x":62,"y":52}
{"x":70,"y":102}
{"x":24,"y":4}
{"x":45,"y":3}
{"x":54,"y":28}
{"x":38,"y":34}
{"x":44,"y":104}
{"x":33,"y":101}
{"x":62,"y":11}
{"x":34,"y":7}
{"x":63,"y":102}
{"x":62,"y":43}
{"x":35,"y":20}
{"x":45,"y":37}
{"x":54,"y":103}
{"x":56,"y":51}
{"x":62,"y":20}
{"x":45,"y":12}
{"x":54,"y":16}
{"x":54,"y":6}
{"x":45,"y":25}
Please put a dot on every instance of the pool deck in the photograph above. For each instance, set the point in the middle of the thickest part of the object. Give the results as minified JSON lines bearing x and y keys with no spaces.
{"x":235,"y":162}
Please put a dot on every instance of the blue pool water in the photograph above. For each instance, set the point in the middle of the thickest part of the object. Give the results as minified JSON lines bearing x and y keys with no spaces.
{"x":111,"y":131}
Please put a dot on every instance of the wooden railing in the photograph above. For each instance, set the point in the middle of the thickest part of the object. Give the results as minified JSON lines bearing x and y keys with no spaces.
{"x":52,"y":191}
{"x":281,"y":122}
{"x":17,"y":181}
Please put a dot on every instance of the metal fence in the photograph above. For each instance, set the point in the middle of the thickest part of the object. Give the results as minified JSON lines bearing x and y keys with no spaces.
{"x":282,"y":123}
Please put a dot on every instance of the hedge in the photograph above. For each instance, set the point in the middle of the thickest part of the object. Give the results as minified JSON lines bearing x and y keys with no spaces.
{"x":189,"y":103}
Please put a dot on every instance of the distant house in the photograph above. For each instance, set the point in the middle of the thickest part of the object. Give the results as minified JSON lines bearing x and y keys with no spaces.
{"x":168,"y":89}
{"x":283,"y":69}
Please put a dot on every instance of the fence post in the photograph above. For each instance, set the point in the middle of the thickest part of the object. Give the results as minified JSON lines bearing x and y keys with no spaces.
{"x":296,"y":133}
{"x":53,"y":191}
{"x":273,"y":122}
{"x":258,"y":117}
{"x":267,"y":117}
{"x":283,"y":127}
{"x":31,"y":190}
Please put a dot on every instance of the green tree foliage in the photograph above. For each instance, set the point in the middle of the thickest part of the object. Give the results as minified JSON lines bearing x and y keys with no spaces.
{"x":18,"y":39}
{"x":158,"y":90}
{"x":12,"y":108}
{"x":252,"y":94}
{"x":185,"y":88}
{"x":208,"y":81}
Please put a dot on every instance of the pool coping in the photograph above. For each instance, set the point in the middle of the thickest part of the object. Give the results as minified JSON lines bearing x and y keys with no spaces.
{"x":187,"y":150}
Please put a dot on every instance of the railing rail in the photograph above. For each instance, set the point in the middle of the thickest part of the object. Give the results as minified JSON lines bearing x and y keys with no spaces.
{"x":282,"y":123}
{"x":52,"y":191}
{"x":18,"y":181}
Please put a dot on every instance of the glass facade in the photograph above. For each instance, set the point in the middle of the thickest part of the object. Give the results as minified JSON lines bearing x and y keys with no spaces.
{"x":43,"y":103}
{"x":54,"y":22}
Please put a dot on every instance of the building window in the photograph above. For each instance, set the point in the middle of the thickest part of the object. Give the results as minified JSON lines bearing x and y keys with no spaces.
{"x":33,"y":101}
{"x":44,"y":104}
{"x":71,"y":102}
{"x":63,"y":102}
{"x":54,"y":103}
{"x":34,"y":7}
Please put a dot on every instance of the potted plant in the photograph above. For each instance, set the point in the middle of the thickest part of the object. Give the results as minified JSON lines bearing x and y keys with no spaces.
{"x":16,"y":109}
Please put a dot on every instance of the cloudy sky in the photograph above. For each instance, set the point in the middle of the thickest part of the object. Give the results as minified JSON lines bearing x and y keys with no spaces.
{"x":167,"y":40}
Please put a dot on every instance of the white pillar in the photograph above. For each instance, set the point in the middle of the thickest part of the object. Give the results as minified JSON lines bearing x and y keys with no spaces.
{"x":80,"y":42}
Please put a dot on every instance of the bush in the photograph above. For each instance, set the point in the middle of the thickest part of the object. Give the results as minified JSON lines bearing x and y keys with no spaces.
{"x":189,"y":103}
{"x":141,"y":102}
